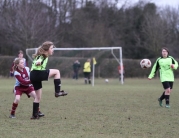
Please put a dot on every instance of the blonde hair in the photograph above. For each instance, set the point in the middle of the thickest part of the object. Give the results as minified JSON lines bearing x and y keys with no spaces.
{"x":16,"y":62}
{"x":42,"y":50}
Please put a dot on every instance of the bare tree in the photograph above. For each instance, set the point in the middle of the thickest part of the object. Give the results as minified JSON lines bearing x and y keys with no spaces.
{"x":171,"y":16}
{"x":28,"y":24}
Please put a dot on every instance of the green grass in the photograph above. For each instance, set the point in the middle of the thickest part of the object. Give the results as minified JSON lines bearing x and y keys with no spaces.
{"x":107,"y":110}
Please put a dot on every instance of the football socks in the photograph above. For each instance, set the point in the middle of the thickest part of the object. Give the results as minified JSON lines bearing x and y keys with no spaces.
{"x":167,"y":97}
{"x":57,"y":83}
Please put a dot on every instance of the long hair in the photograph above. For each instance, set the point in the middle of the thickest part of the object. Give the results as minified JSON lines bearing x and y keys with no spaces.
{"x":42,"y":50}
{"x":16,"y":62}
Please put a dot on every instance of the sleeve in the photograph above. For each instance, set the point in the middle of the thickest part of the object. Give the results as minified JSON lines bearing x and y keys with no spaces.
{"x":21,"y":80}
{"x":85,"y":65}
{"x":37,"y":59}
{"x":88,"y":66}
{"x":154,"y":69}
{"x":175,"y":63}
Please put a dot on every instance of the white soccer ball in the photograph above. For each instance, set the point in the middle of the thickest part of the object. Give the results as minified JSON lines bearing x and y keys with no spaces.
{"x":106,"y":80}
{"x":145,"y":63}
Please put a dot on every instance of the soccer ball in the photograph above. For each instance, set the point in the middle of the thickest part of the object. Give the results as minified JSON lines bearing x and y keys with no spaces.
{"x":106,"y":80}
{"x":145,"y":63}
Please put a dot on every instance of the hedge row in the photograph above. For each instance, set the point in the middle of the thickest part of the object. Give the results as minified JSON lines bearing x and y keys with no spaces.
{"x":105,"y":68}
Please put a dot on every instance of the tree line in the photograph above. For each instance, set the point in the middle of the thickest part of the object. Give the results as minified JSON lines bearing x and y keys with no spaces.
{"x":141,"y":29}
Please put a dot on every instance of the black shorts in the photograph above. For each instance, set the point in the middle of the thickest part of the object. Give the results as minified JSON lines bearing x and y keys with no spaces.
{"x":87,"y":74}
{"x":37,"y":76}
{"x":167,"y":84}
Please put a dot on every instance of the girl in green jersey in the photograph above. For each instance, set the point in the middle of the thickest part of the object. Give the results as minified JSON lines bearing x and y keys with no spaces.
{"x":166,"y":64}
{"x":39,"y":73}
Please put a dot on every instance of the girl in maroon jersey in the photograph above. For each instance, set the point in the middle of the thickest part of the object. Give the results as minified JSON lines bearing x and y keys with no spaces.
{"x":22,"y":84}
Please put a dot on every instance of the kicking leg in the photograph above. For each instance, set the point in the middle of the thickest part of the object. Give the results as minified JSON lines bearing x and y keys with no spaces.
{"x":57,"y":82}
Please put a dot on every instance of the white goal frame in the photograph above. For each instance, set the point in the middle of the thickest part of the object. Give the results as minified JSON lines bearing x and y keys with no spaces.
{"x":118,"y":58}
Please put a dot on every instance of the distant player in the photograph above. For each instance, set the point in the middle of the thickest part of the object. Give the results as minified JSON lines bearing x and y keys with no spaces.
{"x":121,"y":72}
{"x":76,"y":68}
{"x":20,"y":55}
{"x":87,"y":71}
{"x":165,"y":64}
{"x":39,"y":73}
{"x":22,"y":84}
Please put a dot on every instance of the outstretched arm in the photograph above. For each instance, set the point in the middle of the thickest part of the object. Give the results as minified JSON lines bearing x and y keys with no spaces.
{"x":154,"y":69}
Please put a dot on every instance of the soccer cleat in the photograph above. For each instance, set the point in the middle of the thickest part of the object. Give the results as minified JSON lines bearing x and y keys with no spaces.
{"x":12,"y":116}
{"x":61,"y":93}
{"x":160,"y":102}
{"x":167,"y":106}
{"x":34,"y":117}
{"x":40,"y":114}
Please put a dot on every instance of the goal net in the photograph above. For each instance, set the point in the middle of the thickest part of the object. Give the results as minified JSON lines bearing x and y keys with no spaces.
{"x":108,"y":59}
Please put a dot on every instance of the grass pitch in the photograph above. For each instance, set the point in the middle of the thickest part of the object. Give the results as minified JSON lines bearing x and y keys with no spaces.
{"x":107,"y":110}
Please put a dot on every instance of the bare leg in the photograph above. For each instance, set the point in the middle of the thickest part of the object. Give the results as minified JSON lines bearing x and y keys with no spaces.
{"x":17,"y":99}
{"x":54,"y":73}
{"x":38,"y":95}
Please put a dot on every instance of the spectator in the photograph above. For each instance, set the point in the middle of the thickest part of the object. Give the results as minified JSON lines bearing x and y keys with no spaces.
{"x":76,"y":68}
{"x":20,"y":55}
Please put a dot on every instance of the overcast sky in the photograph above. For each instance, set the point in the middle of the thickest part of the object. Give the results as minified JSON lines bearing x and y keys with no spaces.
{"x":173,"y":3}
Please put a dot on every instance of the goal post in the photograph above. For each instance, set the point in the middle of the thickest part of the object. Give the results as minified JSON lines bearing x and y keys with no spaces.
{"x":118,"y":58}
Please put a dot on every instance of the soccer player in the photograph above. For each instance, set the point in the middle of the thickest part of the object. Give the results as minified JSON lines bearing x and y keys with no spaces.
{"x":87,"y":71}
{"x":22,"y":84}
{"x":166,"y":64}
{"x":121,"y":71}
{"x":39,"y":73}
{"x":20,"y":55}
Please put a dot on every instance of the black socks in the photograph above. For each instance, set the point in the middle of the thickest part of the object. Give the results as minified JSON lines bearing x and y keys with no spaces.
{"x":167,"y":97}
{"x":35,"y":109}
{"x":162,"y":96}
{"x":57,"y":84}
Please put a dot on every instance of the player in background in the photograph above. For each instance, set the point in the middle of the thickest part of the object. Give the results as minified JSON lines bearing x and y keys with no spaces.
{"x":22,"y":84}
{"x":39,"y":73}
{"x":87,"y":71}
{"x":165,"y":64}
{"x":76,"y":68}
{"x":20,"y":55}
{"x":121,"y":72}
